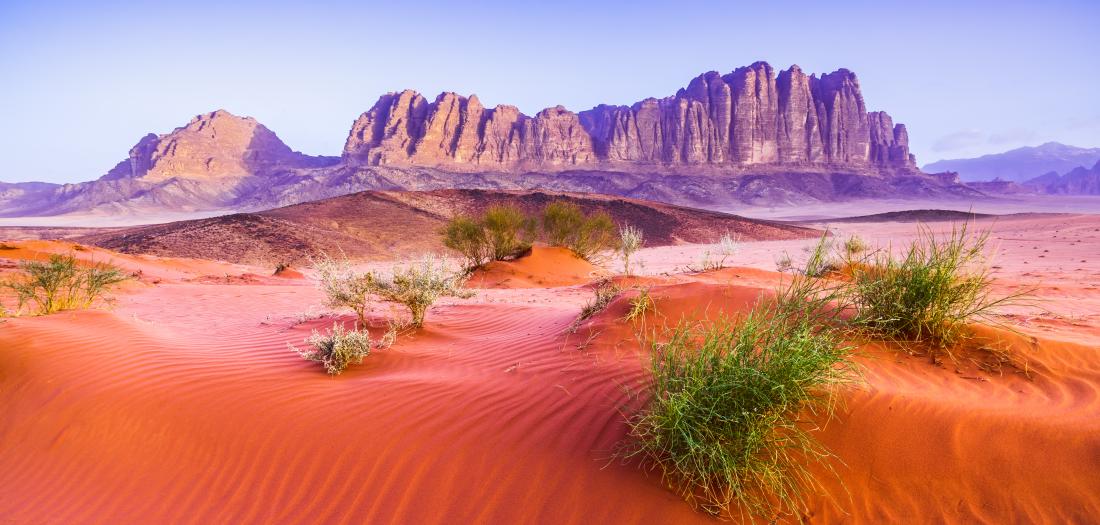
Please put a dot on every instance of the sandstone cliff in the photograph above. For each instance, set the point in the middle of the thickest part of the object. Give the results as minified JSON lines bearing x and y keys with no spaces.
{"x":751,"y":117}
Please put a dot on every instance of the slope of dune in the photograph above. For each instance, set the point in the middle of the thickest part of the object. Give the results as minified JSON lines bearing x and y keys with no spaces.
{"x":386,"y":225}
{"x":182,"y":404}
{"x":543,"y":267}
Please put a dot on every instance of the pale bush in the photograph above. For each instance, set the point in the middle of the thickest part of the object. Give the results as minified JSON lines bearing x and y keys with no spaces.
{"x":343,"y":288}
{"x":631,"y":240}
{"x":336,"y":349}
{"x":418,"y":285}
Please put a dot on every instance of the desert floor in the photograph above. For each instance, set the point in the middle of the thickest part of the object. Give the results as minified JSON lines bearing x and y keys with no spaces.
{"x":181,"y":403}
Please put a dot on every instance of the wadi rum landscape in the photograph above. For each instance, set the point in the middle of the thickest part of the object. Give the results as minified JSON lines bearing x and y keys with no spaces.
{"x":747,"y":294}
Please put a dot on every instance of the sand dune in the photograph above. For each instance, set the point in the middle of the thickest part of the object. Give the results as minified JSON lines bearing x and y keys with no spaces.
{"x":182,"y":404}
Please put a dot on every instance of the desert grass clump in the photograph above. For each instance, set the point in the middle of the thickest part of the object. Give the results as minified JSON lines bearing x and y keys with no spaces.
{"x":343,"y":287}
{"x":336,"y":349}
{"x":418,"y":285}
{"x":588,"y":236}
{"x":508,"y":231}
{"x":929,"y":294}
{"x":640,"y":305}
{"x":716,"y":259}
{"x":734,"y":402}
{"x":61,"y":283}
{"x":605,"y":292}
{"x":631,"y":240}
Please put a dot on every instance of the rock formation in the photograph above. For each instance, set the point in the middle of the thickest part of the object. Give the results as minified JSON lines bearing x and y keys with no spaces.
{"x":749,"y":117}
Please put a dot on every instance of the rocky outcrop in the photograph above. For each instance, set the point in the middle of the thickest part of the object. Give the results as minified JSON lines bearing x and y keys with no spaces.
{"x":749,"y":117}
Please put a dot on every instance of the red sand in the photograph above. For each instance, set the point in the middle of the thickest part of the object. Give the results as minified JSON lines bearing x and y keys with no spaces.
{"x":544,"y":267}
{"x":184,"y":405}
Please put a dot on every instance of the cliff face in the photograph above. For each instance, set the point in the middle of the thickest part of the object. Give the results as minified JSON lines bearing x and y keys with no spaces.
{"x":749,"y":117}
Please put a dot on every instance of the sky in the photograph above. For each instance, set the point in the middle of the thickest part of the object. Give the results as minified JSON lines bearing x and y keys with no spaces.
{"x":81,"y":83}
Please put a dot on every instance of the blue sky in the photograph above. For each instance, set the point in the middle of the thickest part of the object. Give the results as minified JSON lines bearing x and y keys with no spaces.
{"x":82,"y":83}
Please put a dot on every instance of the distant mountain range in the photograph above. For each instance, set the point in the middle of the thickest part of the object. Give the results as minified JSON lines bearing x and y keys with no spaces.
{"x":751,"y":136}
{"x":1019,"y":165}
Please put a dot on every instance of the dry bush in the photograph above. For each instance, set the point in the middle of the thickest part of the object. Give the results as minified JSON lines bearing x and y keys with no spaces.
{"x":60,"y":283}
{"x":336,"y":349}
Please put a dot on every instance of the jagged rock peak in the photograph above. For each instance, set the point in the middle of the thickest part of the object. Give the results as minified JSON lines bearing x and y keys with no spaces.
{"x":753,"y":115}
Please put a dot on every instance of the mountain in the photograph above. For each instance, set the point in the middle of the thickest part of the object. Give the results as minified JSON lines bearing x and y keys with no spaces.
{"x":1078,"y":181}
{"x":376,"y":225}
{"x":749,"y":117}
{"x":1020,"y":164}
{"x":210,"y":163}
{"x":750,"y":136}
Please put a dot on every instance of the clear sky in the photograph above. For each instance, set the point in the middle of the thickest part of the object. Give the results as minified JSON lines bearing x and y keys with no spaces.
{"x":83,"y":81}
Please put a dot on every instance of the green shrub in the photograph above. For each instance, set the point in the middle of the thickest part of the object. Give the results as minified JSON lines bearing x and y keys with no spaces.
{"x":640,"y":305}
{"x":418,"y":285}
{"x":631,"y":240}
{"x":508,"y":231}
{"x":336,"y":349}
{"x":467,"y":237}
{"x":561,"y":220}
{"x":588,"y":236}
{"x":930,"y":293}
{"x":727,"y":422}
{"x":60,"y":283}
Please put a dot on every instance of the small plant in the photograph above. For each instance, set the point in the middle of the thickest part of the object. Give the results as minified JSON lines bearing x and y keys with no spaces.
{"x":343,"y":287}
{"x":727,"y":422}
{"x":640,"y":305}
{"x":631,"y":240}
{"x":281,"y":267}
{"x":855,"y":246}
{"x":418,"y":285}
{"x":61,"y":283}
{"x":561,"y":221}
{"x":336,"y":349}
{"x":783,"y":263}
{"x":716,"y":260}
{"x":930,"y":293}
{"x":605,"y":292}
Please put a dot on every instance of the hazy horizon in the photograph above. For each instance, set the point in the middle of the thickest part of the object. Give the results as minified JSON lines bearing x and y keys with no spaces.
{"x":966,"y":78}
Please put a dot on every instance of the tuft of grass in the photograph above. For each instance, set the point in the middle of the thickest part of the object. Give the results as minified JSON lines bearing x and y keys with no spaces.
{"x":336,"y":349}
{"x":61,"y":283}
{"x":605,"y":292}
{"x":631,"y":240}
{"x":931,"y":293}
{"x":640,"y":305}
{"x":734,"y":403}
{"x":716,"y":260}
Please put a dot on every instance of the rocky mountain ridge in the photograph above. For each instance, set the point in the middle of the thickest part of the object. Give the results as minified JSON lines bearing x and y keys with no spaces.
{"x":749,"y":117}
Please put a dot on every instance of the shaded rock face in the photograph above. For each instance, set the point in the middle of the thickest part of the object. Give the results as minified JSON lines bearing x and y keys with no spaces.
{"x":749,"y":117}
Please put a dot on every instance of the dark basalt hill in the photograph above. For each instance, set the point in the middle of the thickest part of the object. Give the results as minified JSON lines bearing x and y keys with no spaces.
{"x":386,"y":225}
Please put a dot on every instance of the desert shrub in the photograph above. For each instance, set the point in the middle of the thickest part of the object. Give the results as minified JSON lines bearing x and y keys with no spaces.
{"x":418,"y":285}
{"x":60,"y":283}
{"x":930,"y":293}
{"x":588,"y":236}
{"x":631,"y":240}
{"x":467,"y":237}
{"x":716,"y":259}
{"x":605,"y":292}
{"x":854,"y":246}
{"x":727,"y":422}
{"x":343,"y":287}
{"x":336,"y":349}
{"x":561,"y":221}
{"x":508,"y":231}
